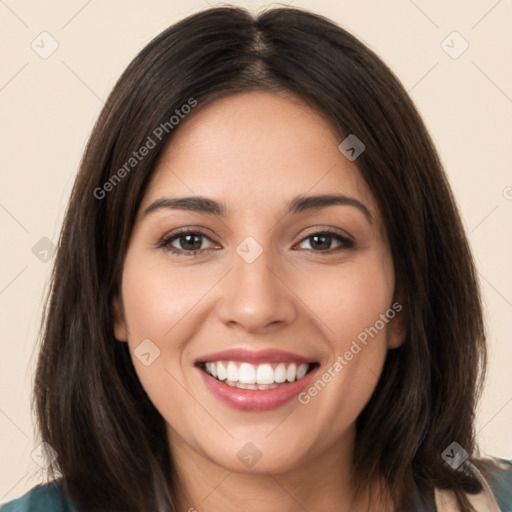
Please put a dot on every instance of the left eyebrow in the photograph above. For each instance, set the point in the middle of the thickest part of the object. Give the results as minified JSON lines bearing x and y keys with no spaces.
{"x":311,"y":203}
{"x":296,"y":205}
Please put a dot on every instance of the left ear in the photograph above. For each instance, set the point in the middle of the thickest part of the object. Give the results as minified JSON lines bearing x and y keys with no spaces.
{"x":398,"y":325}
{"x":120,"y":328}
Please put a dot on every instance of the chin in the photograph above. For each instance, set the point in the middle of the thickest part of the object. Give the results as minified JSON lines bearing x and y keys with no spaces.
{"x":259,"y":456}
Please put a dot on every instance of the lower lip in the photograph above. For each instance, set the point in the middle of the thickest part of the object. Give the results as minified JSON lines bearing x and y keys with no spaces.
{"x":256,"y":400}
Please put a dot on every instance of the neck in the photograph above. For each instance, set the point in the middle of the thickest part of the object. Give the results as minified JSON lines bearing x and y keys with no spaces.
{"x":322,"y":482}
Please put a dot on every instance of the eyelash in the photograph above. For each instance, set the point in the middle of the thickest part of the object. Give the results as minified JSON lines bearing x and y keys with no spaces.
{"x":165,"y":242}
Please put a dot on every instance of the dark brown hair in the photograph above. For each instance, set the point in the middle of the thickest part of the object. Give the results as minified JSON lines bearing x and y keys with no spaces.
{"x":91,"y":407}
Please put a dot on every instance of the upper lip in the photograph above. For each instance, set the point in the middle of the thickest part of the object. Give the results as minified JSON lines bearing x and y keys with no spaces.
{"x":256,"y":357}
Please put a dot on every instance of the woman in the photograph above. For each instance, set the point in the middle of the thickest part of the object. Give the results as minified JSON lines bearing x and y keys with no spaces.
{"x":263,"y":297}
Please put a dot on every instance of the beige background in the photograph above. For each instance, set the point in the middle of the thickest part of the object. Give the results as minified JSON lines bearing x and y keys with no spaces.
{"x":48,"y":107}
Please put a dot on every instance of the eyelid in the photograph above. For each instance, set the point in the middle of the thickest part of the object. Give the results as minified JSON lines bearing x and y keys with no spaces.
{"x":331,"y":230}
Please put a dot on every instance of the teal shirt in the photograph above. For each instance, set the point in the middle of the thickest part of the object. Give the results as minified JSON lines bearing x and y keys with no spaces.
{"x":42,"y":498}
{"x":501,"y":486}
{"x":48,"y":498}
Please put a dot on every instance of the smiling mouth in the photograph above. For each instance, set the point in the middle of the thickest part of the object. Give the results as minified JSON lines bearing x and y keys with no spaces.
{"x":264,"y":376}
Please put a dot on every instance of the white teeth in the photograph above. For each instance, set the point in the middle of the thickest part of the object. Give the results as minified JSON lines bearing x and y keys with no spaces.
{"x":291,"y":372}
{"x":265,"y":374}
{"x":250,"y":386}
{"x":249,"y":376}
{"x":232,"y":372}
{"x":280,"y":373}
{"x":221,"y":371}
{"x":302,"y":370}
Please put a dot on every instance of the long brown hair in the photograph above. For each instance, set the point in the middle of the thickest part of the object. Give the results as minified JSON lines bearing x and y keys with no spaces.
{"x":86,"y":388}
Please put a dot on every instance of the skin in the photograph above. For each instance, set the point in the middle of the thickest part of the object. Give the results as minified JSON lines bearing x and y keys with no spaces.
{"x":255,"y":151}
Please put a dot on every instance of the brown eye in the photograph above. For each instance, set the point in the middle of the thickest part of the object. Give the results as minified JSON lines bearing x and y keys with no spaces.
{"x":322,"y":241}
{"x":188,"y":242}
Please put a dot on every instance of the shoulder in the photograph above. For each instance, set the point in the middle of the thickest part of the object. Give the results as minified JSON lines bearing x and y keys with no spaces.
{"x":501,"y":483}
{"x":496,"y":495}
{"x":42,"y":498}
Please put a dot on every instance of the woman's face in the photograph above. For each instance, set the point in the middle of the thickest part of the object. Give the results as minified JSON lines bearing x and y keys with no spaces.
{"x":268,"y":294}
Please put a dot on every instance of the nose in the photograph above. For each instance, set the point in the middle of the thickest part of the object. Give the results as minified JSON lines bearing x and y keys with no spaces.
{"x":256,"y":296}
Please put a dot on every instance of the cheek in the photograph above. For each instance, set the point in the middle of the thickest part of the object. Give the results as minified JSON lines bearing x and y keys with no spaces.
{"x":351,"y":301}
{"x":355,"y":315}
{"x":157,"y":299}
{"x":156,"y":303}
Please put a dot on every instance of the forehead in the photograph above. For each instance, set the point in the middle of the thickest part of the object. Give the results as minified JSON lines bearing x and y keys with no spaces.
{"x":256,"y":150}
